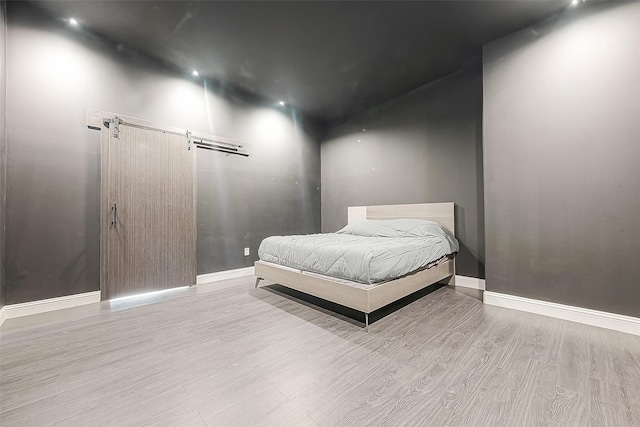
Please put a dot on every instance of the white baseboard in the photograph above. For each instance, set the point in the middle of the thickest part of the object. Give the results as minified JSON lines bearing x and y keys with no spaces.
{"x":470,"y":282}
{"x":44,"y":305}
{"x":602,"y":319}
{"x":225,"y":275}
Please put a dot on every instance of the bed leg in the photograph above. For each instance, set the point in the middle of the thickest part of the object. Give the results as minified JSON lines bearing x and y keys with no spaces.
{"x":258,"y":281}
{"x":452,"y":280}
{"x":366,"y":322}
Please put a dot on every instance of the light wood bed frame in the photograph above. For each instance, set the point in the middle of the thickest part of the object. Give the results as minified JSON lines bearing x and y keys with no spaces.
{"x":370,"y":299}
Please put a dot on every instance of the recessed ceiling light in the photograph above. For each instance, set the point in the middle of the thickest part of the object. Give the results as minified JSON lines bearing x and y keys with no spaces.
{"x":195,"y":73}
{"x":73,"y":22}
{"x":574,"y":3}
{"x":281,"y":103}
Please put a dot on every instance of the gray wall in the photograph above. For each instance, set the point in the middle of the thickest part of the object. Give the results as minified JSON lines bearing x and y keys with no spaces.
{"x":425,"y":146}
{"x":55,"y":73}
{"x":561,"y":151}
{"x":3,"y":139}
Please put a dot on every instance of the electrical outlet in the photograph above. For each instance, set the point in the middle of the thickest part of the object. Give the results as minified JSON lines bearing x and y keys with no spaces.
{"x":246,"y":251}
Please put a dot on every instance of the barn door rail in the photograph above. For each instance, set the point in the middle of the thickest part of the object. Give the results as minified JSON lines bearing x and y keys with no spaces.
{"x":217,"y":145}
{"x":197,"y":139}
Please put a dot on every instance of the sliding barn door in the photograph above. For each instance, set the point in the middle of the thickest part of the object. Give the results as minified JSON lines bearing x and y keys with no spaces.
{"x":148,"y":211}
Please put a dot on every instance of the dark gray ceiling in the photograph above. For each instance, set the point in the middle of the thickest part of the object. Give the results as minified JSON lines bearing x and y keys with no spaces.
{"x":328,"y":59}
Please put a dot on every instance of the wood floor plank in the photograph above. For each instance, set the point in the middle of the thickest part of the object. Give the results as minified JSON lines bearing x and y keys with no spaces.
{"x":614,"y":395}
{"x":444,"y":386}
{"x":79,"y":406}
{"x":243,"y":407}
{"x":614,"y":357}
{"x":402,"y":343}
{"x":608,"y":415}
{"x":306,"y":422}
{"x":234,"y":355}
{"x":551,"y":392}
{"x":573,"y":366}
{"x":535,"y":338}
{"x":391,"y":394}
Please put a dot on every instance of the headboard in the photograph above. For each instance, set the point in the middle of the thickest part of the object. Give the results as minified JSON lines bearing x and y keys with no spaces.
{"x":442,"y":213}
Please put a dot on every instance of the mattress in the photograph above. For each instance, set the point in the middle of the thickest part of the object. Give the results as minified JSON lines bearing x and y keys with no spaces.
{"x":367,"y":252}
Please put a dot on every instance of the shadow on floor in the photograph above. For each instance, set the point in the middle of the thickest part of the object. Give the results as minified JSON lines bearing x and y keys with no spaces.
{"x":473,"y":293}
{"x":354,"y":316}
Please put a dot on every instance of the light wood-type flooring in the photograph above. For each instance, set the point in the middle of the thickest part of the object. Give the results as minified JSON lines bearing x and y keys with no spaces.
{"x":226,"y":354}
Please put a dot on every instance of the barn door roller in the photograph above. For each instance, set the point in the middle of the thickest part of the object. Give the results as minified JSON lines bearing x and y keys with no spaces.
{"x":212,"y":143}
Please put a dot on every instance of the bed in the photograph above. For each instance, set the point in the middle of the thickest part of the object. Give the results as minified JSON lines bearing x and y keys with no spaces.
{"x":355,"y":289}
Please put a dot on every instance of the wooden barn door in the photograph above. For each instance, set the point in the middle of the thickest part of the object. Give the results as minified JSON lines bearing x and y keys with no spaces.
{"x":148,"y":239}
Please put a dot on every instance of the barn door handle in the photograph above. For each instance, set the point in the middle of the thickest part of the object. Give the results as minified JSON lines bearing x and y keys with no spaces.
{"x":114,"y":214}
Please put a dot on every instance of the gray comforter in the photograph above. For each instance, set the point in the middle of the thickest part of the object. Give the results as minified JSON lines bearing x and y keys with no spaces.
{"x":366,"y":252}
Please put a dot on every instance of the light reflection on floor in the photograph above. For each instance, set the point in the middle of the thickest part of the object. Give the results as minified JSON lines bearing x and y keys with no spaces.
{"x":140,"y":300}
